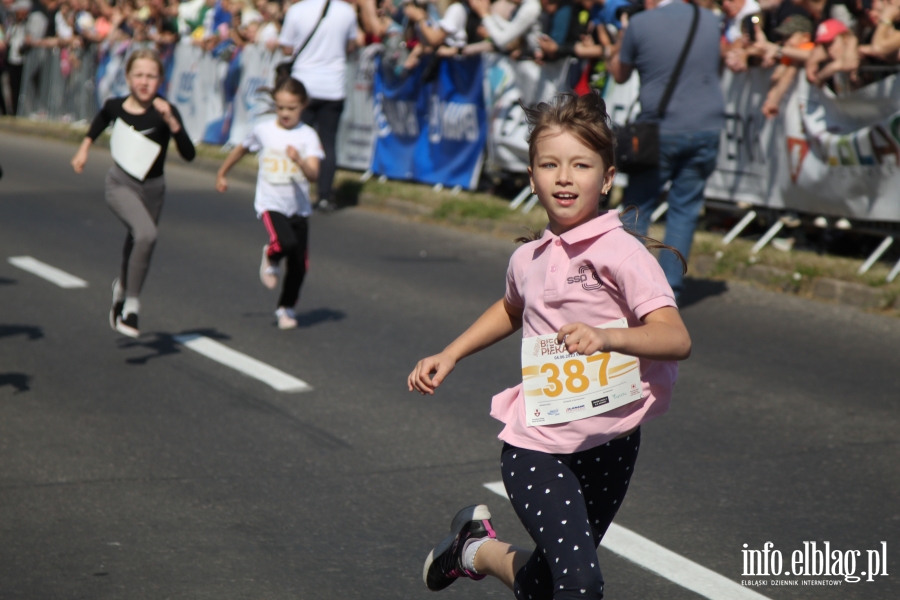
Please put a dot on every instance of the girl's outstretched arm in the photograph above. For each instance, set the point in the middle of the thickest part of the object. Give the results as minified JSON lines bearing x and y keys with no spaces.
{"x":496,"y":323}
{"x":81,"y":156}
{"x":663,"y":336}
{"x":233,"y":157}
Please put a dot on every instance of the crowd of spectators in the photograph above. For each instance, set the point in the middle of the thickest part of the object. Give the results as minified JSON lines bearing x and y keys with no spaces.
{"x":842,"y":44}
{"x":839,"y":43}
{"x":412,"y":31}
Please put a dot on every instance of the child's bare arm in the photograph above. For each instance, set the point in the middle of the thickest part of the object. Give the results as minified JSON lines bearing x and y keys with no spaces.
{"x":233,"y":157}
{"x":309,"y":165}
{"x":663,"y":336}
{"x":773,"y":99}
{"x":497,"y":322}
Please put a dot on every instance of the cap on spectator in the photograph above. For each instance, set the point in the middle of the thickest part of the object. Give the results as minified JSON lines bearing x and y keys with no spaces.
{"x":20,"y":5}
{"x":794,"y":24}
{"x":828,"y":30}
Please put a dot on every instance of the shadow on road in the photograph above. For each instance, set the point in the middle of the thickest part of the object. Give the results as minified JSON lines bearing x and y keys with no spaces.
{"x":164,"y":344}
{"x":7,"y":281}
{"x":33,"y":333}
{"x":319,"y":315}
{"x":696,"y":290}
{"x":19,"y":381}
{"x":347,"y":193}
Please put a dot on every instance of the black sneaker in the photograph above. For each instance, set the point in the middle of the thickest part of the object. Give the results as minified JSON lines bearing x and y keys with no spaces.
{"x":444,"y":564}
{"x":128,"y":325}
{"x":116,"y":311}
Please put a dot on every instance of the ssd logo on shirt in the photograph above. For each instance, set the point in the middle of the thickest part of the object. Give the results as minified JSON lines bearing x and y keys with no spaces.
{"x":591,"y":282}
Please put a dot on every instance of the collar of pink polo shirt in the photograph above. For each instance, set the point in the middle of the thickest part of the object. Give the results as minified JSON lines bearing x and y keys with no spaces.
{"x":603,"y":223}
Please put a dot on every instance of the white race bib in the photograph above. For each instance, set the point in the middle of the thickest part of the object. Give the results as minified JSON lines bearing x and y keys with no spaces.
{"x":132,"y":151}
{"x":278,"y":169}
{"x":560,"y":387}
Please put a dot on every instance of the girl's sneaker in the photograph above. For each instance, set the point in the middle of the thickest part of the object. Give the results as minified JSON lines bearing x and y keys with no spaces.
{"x":118,"y":302}
{"x":268,"y":273}
{"x":287,"y":318}
{"x":128,"y":325}
{"x":444,"y":564}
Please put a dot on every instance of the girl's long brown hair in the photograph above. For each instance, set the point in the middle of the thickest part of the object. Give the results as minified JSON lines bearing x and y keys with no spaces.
{"x":586,"y":118}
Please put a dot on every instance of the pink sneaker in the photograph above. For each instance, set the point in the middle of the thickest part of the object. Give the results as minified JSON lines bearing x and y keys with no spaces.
{"x":444,"y":564}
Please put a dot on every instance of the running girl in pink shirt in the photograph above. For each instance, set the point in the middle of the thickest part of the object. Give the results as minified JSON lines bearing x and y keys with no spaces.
{"x":566,"y":478}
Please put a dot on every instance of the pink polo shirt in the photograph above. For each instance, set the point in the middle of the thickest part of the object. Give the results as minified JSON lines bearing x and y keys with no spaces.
{"x":594,"y":273}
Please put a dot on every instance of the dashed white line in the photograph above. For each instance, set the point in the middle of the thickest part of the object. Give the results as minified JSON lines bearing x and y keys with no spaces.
{"x":238,"y":361}
{"x":45,"y":271}
{"x":663,"y":562}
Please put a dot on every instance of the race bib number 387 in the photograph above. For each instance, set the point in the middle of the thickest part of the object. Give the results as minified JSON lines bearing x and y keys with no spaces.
{"x":560,"y":387}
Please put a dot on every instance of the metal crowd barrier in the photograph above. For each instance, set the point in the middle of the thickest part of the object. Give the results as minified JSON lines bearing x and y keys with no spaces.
{"x":55,"y":91}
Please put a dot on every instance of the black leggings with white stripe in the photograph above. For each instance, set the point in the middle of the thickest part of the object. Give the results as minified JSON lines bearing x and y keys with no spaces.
{"x":566,"y":503}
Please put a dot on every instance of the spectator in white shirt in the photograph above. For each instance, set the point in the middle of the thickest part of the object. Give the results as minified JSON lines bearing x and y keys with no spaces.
{"x":321,"y":67}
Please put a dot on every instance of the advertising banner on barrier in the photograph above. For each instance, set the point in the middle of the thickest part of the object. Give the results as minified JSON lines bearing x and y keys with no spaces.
{"x":257,"y":69}
{"x":507,"y":83}
{"x":185,"y":89}
{"x":836,"y":156}
{"x":431,"y":132}
{"x":356,"y":132}
{"x":110,"y":76}
{"x":220,"y":103}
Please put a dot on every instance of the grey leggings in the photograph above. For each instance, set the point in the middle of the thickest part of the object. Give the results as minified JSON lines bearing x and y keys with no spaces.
{"x":138,"y":205}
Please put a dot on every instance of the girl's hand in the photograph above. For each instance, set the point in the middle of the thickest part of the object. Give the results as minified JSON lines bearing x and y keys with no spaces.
{"x":583,"y":339}
{"x":79,"y":160}
{"x":293,"y":154}
{"x":165,"y":111}
{"x":221,"y":183}
{"x":430,"y":372}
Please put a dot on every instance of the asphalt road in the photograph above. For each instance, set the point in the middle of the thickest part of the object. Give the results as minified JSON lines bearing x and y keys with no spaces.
{"x":140,"y":469}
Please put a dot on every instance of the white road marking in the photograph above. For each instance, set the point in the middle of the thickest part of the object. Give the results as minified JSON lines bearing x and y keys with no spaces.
{"x":209,"y":348}
{"x":663,"y":562}
{"x":45,"y":271}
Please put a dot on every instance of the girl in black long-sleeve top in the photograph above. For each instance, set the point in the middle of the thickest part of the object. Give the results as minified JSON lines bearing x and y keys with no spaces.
{"x":137,"y":201}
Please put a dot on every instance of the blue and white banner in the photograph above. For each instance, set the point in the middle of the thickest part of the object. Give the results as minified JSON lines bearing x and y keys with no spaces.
{"x":356,"y":132}
{"x":226,"y":69}
{"x":257,"y":69}
{"x":185,"y":89}
{"x":432,"y":132}
{"x":110,"y":75}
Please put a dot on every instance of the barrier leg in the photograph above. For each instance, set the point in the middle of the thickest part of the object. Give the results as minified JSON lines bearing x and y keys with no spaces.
{"x":894,"y":272}
{"x":659,"y":212}
{"x":767,"y":237}
{"x":456,"y":190}
{"x":881,"y":249}
{"x":366,"y":176}
{"x":737,"y":229}
{"x":438,"y":187}
{"x":520,"y":198}
{"x":531,"y":202}
{"x":382,"y":179}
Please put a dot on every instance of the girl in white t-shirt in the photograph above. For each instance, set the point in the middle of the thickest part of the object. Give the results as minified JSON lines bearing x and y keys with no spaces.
{"x":289,"y":156}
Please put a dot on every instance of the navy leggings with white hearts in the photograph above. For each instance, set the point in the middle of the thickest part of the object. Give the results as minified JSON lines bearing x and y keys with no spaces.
{"x":566,"y":503}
